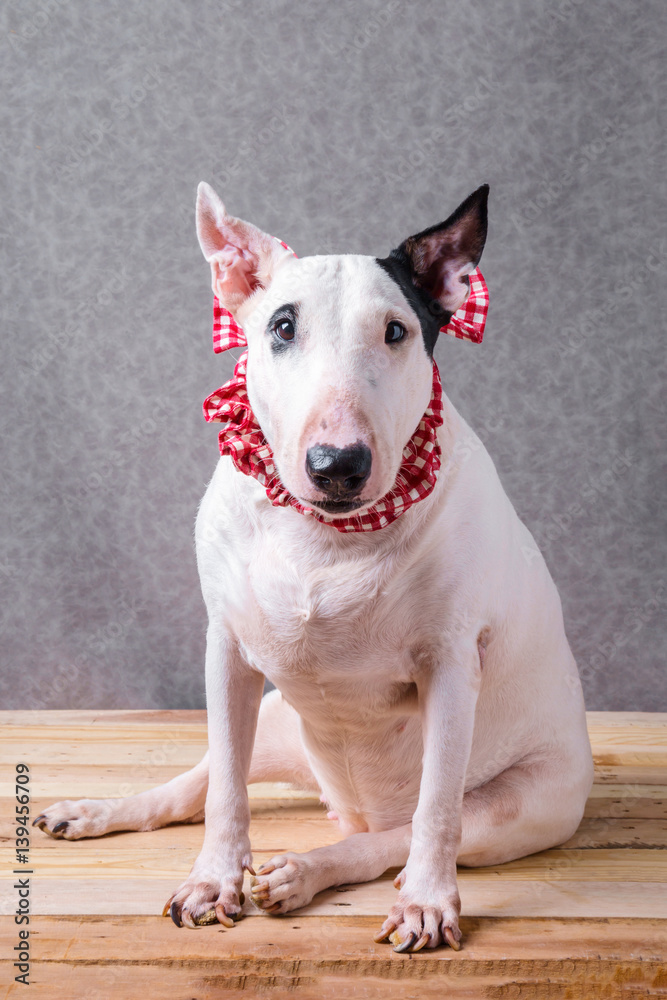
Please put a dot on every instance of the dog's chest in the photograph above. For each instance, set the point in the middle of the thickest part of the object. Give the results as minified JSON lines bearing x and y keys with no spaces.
{"x":334,"y":623}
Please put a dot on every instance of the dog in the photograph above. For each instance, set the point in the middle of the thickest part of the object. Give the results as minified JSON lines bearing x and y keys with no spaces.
{"x":424,"y":684}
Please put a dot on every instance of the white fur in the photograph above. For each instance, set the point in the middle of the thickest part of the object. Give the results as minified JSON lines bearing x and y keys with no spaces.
{"x":340,"y":383}
{"x":440,"y":636}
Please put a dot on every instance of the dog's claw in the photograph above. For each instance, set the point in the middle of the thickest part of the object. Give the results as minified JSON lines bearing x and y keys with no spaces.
{"x":448,"y":935}
{"x":250,"y":869}
{"x":175,"y":914}
{"x":423,"y":941}
{"x":188,"y":920}
{"x":382,"y":935}
{"x":167,"y":907}
{"x":407,"y":944}
{"x":223,"y":918}
{"x":37,"y":819}
{"x":60,"y":826}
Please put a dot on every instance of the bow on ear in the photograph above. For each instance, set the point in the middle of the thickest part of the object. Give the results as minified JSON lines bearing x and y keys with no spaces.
{"x":437,"y":272}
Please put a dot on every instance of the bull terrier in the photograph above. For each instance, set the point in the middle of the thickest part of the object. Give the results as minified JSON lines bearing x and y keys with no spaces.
{"x":355,"y":547}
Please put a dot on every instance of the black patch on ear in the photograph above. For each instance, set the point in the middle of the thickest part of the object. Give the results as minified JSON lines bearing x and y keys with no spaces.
{"x":430,"y":313}
{"x":418,"y":276}
{"x":475,"y":206}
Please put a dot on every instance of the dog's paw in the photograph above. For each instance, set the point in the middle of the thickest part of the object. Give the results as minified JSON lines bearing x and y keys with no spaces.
{"x":205,"y":898}
{"x":212,"y":891}
{"x":284,"y":883}
{"x":413,"y":924}
{"x":74,"y":820}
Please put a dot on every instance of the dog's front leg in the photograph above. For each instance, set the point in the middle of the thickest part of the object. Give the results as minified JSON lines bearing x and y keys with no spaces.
{"x":427,"y":909}
{"x":233,"y":694}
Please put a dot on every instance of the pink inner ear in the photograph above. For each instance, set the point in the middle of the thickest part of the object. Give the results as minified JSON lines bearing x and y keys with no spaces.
{"x":235,"y":273}
{"x":442,"y":279}
{"x":454,"y":291}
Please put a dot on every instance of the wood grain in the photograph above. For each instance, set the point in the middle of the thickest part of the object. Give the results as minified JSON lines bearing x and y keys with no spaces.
{"x":585,"y":920}
{"x":121,"y":958}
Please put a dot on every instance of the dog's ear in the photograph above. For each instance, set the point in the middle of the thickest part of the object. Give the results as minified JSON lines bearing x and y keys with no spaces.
{"x":439,"y":257}
{"x":242,"y":257}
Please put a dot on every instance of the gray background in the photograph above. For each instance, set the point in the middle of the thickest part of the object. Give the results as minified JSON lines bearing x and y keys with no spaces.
{"x":339,"y":127}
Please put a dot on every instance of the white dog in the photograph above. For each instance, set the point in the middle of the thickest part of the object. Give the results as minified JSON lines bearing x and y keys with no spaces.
{"x":425,"y":685}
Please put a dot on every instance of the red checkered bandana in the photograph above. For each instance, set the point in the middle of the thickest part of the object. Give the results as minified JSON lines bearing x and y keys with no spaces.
{"x":242,"y":439}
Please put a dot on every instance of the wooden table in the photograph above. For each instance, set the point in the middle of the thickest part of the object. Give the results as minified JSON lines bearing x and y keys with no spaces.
{"x":586,"y":920}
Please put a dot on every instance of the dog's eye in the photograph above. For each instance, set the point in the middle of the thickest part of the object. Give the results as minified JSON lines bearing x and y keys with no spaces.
{"x":394,"y":333}
{"x":284,"y":328}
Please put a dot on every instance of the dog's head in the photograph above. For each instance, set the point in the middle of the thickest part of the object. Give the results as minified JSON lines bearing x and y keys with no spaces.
{"x":340,"y":347}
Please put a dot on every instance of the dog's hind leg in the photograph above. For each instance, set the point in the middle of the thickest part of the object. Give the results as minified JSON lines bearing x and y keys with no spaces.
{"x":278,"y":753}
{"x":180,"y":799}
{"x":290,"y":880}
{"x":277,"y":756}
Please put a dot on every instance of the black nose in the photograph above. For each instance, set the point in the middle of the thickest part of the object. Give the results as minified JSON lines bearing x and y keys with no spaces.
{"x":339,"y":472}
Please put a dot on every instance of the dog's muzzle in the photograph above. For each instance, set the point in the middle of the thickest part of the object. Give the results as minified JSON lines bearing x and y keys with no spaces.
{"x":339,"y":473}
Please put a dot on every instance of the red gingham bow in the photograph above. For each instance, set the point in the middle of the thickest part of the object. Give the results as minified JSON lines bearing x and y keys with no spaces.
{"x":243,"y":440}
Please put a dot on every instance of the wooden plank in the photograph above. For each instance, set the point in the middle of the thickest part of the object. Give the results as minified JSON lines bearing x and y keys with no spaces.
{"x":637,"y":740}
{"x":139,"y":893}
{"x":629,"y":775}
{"x":576,"y":921}
{"x":302,"y":828}
{"x":67,"y":781}
{"x":80,"y":939}
{"x":597,"y":721}
{"x":115,"y":860}
{"x":334,"y":957}
{"x":77,"y":780}
{"x":629,"y":747}
{"x":120,"y":730}
{"x":277,"y":810}
{"x":210,"y":982}
{"x":604,"y":831}
{"x":129,"y":753}
{"x":52,"y":782}
{"x":605,"y":800}
{"x":628,"y":801}
{"x":92,"y":717}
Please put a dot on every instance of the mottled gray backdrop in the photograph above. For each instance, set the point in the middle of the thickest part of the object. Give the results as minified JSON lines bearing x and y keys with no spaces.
{"x":340,"y":127}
